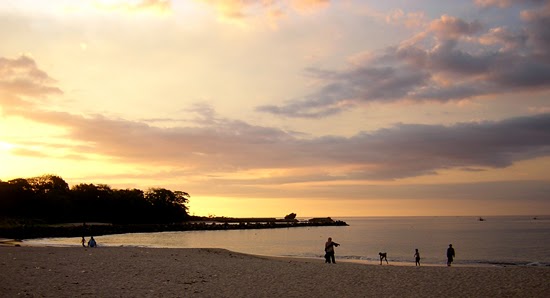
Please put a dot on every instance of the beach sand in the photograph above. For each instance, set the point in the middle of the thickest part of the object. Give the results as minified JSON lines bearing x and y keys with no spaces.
{"x":164,"y":272}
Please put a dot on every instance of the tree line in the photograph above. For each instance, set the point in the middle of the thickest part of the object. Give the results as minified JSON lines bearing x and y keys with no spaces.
{"x":49,"y":198}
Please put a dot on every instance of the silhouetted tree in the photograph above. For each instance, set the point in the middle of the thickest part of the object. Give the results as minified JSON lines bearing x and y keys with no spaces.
{"x":49,"y":198}
{"x":168,"y":206}
{"x":130,"y":206}
{"x":48,"y":183}
{"x":93,"y":201}
{"x":15,"y":196}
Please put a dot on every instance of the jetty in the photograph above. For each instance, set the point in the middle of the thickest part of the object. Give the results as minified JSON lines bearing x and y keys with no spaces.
{"x":194,"y":223}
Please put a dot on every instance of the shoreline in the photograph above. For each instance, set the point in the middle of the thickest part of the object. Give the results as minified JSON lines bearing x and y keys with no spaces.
{"x":100,"y":229}
{"x":22,"y":243}
{"x":210,"y":272}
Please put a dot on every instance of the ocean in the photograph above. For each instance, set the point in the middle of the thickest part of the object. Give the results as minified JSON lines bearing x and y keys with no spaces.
{"x":498,"y":240}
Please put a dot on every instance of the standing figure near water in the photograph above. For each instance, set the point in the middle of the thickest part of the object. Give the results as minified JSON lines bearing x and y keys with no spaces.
{"x":450,"y":255}
{"x":329,"y":251}
{"x":417,"y":257}
{"x":83,"y":241}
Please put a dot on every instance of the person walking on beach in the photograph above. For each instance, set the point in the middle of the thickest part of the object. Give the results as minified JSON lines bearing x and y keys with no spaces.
{"x":450,"y":255}
{"x":329,"y":251}
{"x":83,"y":241}
{"x":417,"y":257}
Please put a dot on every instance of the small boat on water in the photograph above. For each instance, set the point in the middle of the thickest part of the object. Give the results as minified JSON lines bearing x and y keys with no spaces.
{"x":481,"y":219}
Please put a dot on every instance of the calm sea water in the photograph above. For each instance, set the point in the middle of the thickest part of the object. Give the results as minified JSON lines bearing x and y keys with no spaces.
{"x":519,"y":240}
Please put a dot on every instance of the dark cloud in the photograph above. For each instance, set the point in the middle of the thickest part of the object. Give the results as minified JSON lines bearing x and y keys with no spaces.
{"x":451,"y":59}
{"x":538,"y":21}
{"x":507,"y":39}
{"x":216,"y":144}
{"x":449,"y":27}
{"x":400,"y":151}
{"x":388,"y":83}
{"x":216,"y":149}
{"x":496,"y":191}
{"x":505,"y":3}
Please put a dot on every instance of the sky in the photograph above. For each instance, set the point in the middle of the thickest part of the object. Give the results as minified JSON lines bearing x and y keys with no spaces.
{"x":267,"y":107}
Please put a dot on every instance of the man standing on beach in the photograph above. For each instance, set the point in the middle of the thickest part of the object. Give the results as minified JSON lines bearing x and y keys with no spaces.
{"x":329,"y":251}
{"x":450,"y":254}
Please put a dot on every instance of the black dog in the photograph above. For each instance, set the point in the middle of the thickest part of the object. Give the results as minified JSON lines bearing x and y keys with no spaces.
{"x":383,"y":256}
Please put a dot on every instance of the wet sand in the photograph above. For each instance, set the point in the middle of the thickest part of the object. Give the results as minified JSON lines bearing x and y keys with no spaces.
{"x":164,"y":272}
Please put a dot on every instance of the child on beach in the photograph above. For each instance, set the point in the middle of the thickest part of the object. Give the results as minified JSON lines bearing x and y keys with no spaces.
{"x":92,"y":242}
{"x":417,"y":257}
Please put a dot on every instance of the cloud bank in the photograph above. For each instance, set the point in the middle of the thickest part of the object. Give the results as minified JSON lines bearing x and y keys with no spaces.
{"x":217,"y":144}
{"x":451,"y":59}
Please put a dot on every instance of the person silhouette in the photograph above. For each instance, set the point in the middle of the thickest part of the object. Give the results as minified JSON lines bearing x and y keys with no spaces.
{"x":329,"y":251}
{"x":92,"y":242}
{"x":450,"y":255}
{"x":83,"y":241}
{"x":383,"y":256}
{"x":417,"y":257}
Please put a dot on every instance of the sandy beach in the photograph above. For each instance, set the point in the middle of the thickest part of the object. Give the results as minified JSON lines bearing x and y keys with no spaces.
{"x":151,"y":272}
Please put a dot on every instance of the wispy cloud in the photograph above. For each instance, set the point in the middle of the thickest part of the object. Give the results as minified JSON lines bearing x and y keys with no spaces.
{"x":22,"y":83}
{"x":218,"y":144}
{"x":242,"y":11}
{"x":504,"y":3}
{"x":225,"y":146}
{"x":407,"y":19}
{"x":135,"y":6}
{"x":451,"y":59}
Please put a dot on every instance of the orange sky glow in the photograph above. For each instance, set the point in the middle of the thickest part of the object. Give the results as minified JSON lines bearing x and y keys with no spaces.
{"x":263,"y":108}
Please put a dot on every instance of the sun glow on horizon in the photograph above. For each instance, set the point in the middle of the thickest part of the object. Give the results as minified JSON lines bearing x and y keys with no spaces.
{"x":263,"y":108}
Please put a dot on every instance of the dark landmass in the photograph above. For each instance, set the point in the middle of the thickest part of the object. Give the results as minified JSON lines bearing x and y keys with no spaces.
{"x":45,"y":206}
{"x":30,"y":231}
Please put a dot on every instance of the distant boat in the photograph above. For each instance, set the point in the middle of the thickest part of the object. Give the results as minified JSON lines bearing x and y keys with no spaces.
{"x":481,"y":219}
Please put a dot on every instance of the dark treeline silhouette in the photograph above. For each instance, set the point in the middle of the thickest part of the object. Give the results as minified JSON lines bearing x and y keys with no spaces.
{"x":48,"y":198}
{"x":45,"y":206}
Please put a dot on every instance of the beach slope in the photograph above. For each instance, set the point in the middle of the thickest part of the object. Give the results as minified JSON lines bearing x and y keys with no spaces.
{"x":159,"y":272}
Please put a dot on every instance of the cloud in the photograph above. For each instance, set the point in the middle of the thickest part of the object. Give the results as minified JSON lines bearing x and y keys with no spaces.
{"x":271,"y":10}
{"x":308,"y":5}
{"x":215,"y":144}
{"x":219,"y":145}
{"x":504,"y":3}
{"x":538,"y":21}
{"x":22,"y":83}
{"x":488,"y":3}
{"x":451,"y":59}
{"x":235,"y":158}
{"x":409,"y":19}
{"x":135,"y":6}
{"x":404,"y":150}
{"x":507,"y":39}
{"x":450,"y":27}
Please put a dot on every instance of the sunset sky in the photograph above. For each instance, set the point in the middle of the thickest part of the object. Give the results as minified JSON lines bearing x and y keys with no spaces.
{"x":267,"y":107}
